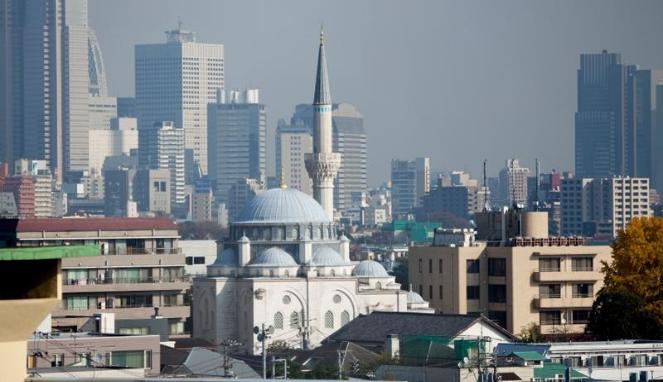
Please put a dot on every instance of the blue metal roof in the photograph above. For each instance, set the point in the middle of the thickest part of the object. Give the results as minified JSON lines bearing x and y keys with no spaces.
{"x":282,"y":205}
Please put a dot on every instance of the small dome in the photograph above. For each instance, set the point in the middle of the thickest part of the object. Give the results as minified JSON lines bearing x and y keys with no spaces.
{"x":273,"y":257}
{"x":415,"y":298}
{"x":369,"y":268}
{"x":227,"y":258}
{"x":282,"y":205}
{"x":326,"y":257}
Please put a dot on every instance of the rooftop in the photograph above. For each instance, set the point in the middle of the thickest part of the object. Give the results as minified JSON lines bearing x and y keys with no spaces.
{"x":85,"y":224}
{"x":47,"y":253}
{"x":282,"y":205}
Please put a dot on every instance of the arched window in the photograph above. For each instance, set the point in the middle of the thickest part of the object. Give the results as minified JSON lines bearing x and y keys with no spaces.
{"x":278,"y":320}
{"x":329,"y":320}
{"x":345,"y":317}
{"x":378,"y":285}
{"x":294,"y":320}
{"x":332,"y":273}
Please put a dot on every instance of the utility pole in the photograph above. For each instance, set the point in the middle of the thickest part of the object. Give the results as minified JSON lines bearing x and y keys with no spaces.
{"x":340,"y":364}
{"x":262,"y":335}
{"x":227,"y":365}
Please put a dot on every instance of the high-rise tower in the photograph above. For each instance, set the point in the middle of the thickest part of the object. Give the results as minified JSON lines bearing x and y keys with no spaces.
{"x":323,"y":164}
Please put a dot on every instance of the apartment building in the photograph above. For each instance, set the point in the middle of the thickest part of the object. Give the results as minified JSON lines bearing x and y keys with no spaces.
{"x":533,"y":278}
{"x":139,"y":274}
{"x":602,"y":206}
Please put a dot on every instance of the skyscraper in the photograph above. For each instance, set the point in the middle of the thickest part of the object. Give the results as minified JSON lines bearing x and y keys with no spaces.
{"x":350,"y":142}
{"x":236,"y":140}
{"x":162,"y":147}
{"x":613,"y":124}
{"x":292,"y":143}
{"x":175,"y":81}
{"x":44,"y":82}
{"x":323,"y":164}
{"x":410,"y":181}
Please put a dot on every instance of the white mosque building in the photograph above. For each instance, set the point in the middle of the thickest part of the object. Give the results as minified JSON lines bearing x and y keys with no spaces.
{"x":284,"y":264}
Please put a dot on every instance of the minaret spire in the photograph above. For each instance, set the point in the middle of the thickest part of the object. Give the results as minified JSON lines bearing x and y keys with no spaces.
{"x":323,"y":164}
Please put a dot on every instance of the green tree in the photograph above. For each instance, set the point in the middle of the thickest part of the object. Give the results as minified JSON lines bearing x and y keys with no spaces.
{"x":637,"y":264}
{"x":531,"y":333}
{"x":621,"y":314}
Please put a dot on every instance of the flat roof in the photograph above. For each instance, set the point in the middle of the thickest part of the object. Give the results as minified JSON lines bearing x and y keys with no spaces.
{"x":47,"y":253}
{"x":85,"y":224}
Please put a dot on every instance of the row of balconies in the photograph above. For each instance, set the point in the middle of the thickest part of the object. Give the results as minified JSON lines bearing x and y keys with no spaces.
{"x":126,"y":285}
{"x":556,"y":301}
{"x":581,"y":274}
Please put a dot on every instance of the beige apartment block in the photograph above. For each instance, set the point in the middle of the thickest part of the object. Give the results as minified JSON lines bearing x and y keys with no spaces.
{"x":551,"y":282}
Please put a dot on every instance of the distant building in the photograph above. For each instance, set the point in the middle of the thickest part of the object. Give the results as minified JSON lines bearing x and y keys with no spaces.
{"x":161,"y":147}
{"x":126,"y":107}
{"x":292,"y":142}
{"x":8,"y":207}
{"x":237,"y":140}
{"x":548,"y":281}
{"x":202,"y":201}
{"x":602,"y":206}
{"x":239,"y":194}
{"x":513,"y":183}
{"x":101,"y":110}
{"x":120,"y":138}
{"x":175,"y":81}
{"x":409,"y":183}
{"x":118,"y":190}
{"x":198,"y":255}
{"x":151,"y":191}
{"x":458,"y":196}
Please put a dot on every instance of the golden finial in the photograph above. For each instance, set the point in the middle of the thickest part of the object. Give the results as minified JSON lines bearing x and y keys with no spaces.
{"x":282,"y":184}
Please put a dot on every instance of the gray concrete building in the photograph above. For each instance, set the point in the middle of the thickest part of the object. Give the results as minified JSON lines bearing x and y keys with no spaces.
{"x":151,"y":191}
{"x":161,"y":147}
{"x":409,"y":183}
{"x":175,"y":81}
{"x":602,"y":206}
{"x":236,"y":138}
{"x":292,"y":142}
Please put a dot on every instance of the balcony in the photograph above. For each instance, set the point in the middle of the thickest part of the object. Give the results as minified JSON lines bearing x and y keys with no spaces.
{"x":545,"y":276}
{"x":125,"y":285}
{"x":557,"y":301}
{"x":559,"y":328}
{"x":61,"y":315}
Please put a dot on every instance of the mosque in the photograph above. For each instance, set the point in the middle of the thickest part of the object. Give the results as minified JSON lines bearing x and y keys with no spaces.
{"x":284,"y":264}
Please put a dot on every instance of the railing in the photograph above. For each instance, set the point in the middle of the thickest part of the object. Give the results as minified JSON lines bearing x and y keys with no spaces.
{"x":550,"y":295}
{"x":125,"y":280}
{"x":581,"y":268}
{"x":550,"y":269}
{"x":145,"y":251}
{"x":582,"y":295}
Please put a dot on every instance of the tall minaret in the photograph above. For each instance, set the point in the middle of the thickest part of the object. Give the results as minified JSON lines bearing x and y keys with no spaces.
{"x":323,"y":164}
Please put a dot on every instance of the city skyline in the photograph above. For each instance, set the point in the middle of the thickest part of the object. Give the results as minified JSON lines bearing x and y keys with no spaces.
{"x":364,"y":71}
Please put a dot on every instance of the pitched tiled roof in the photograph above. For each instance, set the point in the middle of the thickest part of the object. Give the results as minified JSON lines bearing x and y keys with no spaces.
{"x":376,"y":326}
{"x":86,"y":224}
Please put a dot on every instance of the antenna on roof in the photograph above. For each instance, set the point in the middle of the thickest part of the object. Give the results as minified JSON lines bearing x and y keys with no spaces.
{"x":485,"y":188}
{"x":536,"y":188}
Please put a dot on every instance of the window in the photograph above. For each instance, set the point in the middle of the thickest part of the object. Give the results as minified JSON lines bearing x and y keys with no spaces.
{"x":199,"y":260}
{"x":77,"y":302}
{"x":175,"y":327}
{"x":294,"y":320}
{"x":581,"y":316}
{"x":496,"y":293}
{"x":441,"y":291}
{"x":550,"y":290}
{"x":473,"y":266}
{"x":345,"y":317}
{"x":329,"y":320}
{"x":421,"y":290}
{"x":550,"y":265}
{"x":496,"y":267}
{"x":189,"y":260}
{"x":440,"y":266}
{"x":420,"y":265}
{"x":430,"y":292}
{"x":278,"y":320}
{"x":129,"y":359}
{"x":583,"y":290}
{"x":170,"y":299}
{"x":134,"y":331}
{"x":550,"y":317}
{"x":582,"y":264}
{"x":430,"y":265}
{"x":473,"y":292}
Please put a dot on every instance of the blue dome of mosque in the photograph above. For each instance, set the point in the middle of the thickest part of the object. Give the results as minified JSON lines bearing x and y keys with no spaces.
{"x":273,"y":257}
{"x":282,"y":205}
{"x":227,"y":258}
{"x":327,"y":257}
{"x":369,"y":268}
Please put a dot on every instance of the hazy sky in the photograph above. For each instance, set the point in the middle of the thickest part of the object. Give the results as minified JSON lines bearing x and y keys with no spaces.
{"x":457,"y":81}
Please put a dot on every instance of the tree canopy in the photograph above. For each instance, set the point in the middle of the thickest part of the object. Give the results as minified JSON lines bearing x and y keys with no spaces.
{"x":637,"y":263}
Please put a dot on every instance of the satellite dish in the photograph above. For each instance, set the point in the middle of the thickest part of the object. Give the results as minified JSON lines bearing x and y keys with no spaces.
{"x":256,"y":330}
